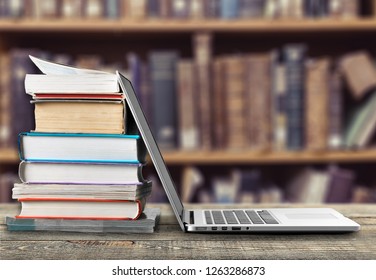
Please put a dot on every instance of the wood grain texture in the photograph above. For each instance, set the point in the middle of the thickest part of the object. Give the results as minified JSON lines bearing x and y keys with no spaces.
{"x":169,"y":242}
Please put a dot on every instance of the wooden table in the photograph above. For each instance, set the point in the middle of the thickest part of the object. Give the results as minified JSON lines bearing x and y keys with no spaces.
{"x":169,"y":242}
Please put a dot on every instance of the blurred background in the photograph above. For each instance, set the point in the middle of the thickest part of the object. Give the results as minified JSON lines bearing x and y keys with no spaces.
{"x":250,"y":101}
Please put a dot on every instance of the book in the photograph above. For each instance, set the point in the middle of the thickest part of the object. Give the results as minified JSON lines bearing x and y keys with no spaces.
{"x":340,"y":186}
{"x":120,"y":192}
{"x":335,"y":123}
{"x":361,"y":125}
{"x":137,"y":9}
{"x":316,"y":103}
{"x":93,"y":9}
{"x":192,"y":180}
{"x":153,"y":9}
{"x":7,"y":180}
{"x":229,"y":9}
{"x":146,"y":223}
{"x":180,"y":8}
{"x":251,"y":8}
{"x":72,"y":9}
{"x":187,"y":106}
{"x":359,"y":72}
{"x":196,"y":9}
{"x":163,"y":87}
{"x":80,"y":116}
{"x":76,"y":172}
{"x":258,"y":101}
{"x":202,"y":45}
{"x":112,"y":9}
{"x":294,"y":58}
{"x":46,"y":8}
{"x":5,"y":103}
{"x":219,"y":104}
{"x":35,"y":146}
{"x":235,"y":106}
{"x":212,"y":8}
{"x":83,"y":83}
{"x":83,"y":209}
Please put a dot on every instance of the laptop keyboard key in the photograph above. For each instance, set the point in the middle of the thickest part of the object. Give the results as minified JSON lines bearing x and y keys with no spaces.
{"x":242,"y":217}
{"x":254,"y":217}
{"x":267,"y":217}
{"x":230,"y":217}
{"x":208,"y":218}
{"x":218,"y":217}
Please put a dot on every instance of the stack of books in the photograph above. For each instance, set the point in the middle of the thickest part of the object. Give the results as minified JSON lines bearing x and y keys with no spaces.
{"x":84,"y":160}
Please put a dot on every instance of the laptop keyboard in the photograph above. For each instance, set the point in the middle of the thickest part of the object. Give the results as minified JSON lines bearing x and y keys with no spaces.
{"x":235,"y":217}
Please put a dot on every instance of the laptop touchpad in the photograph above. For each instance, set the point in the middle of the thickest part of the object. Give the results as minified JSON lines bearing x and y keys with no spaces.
{"x":310,"y":216}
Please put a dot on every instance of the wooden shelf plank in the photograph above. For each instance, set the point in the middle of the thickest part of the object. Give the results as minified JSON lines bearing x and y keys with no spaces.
{"x":149,"y":26}
{"x":221,"y":158}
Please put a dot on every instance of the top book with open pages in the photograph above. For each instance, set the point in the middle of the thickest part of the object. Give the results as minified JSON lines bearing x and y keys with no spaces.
{"x":57,"y":78}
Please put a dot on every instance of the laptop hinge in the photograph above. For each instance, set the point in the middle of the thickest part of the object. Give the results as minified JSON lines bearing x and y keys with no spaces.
{"x":188,"y":217}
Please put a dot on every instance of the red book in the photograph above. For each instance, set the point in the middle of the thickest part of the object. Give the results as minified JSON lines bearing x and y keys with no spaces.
{"x":75,"y":208}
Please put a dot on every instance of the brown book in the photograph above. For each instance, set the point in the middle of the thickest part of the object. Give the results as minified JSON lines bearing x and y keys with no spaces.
{"x":5,"y":102}
{"x":203,"y":54}
{"x":165,"y":8}
{"x":335,"y":127}
{"x":137,"y":9}
{"x":219,"y":104}
{"x":316,"y":103}
{"x":350,"y":8}
{"x":47,"y":8}
{"x":197,"y":10}
{"x":80,"y":117}
{"x":258,"y":100}
{"x":71,"y":8}
{"x":187,"y":99}
{"x":234,"y":73}
{"x":359,"y":72}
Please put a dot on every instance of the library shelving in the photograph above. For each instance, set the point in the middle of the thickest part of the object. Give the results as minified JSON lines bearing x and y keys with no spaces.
{"x":51,"y":33}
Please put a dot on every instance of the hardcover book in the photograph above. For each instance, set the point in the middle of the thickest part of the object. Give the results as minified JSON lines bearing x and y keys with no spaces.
{"x":35,"y":146}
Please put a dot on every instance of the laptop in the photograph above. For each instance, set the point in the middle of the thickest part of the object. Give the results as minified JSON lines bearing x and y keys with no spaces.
{"x":232,"y":220}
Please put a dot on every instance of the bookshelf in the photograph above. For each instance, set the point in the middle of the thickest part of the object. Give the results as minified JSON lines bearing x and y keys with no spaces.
{"x":41,"y":33}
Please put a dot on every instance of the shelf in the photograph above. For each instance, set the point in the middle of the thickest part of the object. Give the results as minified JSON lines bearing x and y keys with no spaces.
{"x":9,"y":156}
{"x":221,"y":158}
{"x":151,"y":26}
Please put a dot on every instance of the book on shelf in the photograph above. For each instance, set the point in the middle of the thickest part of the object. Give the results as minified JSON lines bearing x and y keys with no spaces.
{"x":163,"y":88}
{"x":316,"y":103}
{"x":192,"y":180}
{"x":72,"y":9}
{"x":77,"y":208}
{"x":132,"y":191}
{"x":5,"y":103}
{"x":146,"y":223}
{"x":360,"y":73}
{"x":137,"y":9}
{"x":335,"y":99}
{"x":79,"y":172}
{"x":181,"y":8}
{"x":35,"y":146}
{"x":219,"y":119}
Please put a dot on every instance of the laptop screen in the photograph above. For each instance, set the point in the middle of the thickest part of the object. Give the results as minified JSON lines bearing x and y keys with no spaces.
{"x":152,"y":147}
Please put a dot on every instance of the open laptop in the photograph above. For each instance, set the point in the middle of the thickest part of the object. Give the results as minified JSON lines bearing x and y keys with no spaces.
{"x":232,"y":220}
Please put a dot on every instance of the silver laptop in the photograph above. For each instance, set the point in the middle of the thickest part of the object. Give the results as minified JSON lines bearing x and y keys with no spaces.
{"x":232,"y":220}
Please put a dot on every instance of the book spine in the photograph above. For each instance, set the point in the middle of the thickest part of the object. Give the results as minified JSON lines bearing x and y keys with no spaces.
{"x":137,"y":9}
{"x":229,"y":9}
{"x":294,"y":56}
{"x":180,"y":8}
{"x":251,"y":8}
{"x":22,"y":112}
{"x":153,"y":8}
{"x":235,"y":105}
{"x":5,"y":103}
{"x":316,"y":103}
{"x":335,"y":129}
{"x":203,"y":54}
{"x":93,"y":9}
{"x":188,"y":128}
{"x":112,"y":9}
{"x":163,"y":71}
{"x":212,"y":8}
{"x":72,"y":8}
{"x":197,"y":9}
{"x":165,"y":8}
{"x":259,"y":104}
{"x":219,"y":97}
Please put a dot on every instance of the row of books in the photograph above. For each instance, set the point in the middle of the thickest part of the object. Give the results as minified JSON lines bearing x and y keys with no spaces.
{"x":83,"y":160}
{"x":180,"y":9}
{"x":308,"y":185}
{"x":276,"y":100}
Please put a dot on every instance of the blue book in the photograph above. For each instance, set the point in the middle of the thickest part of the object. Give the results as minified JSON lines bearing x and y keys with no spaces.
{"x":70,"y":147}
{"x":112,"y":9}
{"x":229,"y":9}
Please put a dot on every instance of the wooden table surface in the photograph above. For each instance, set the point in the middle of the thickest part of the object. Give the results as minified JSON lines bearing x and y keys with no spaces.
{"x":169,"y":242}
